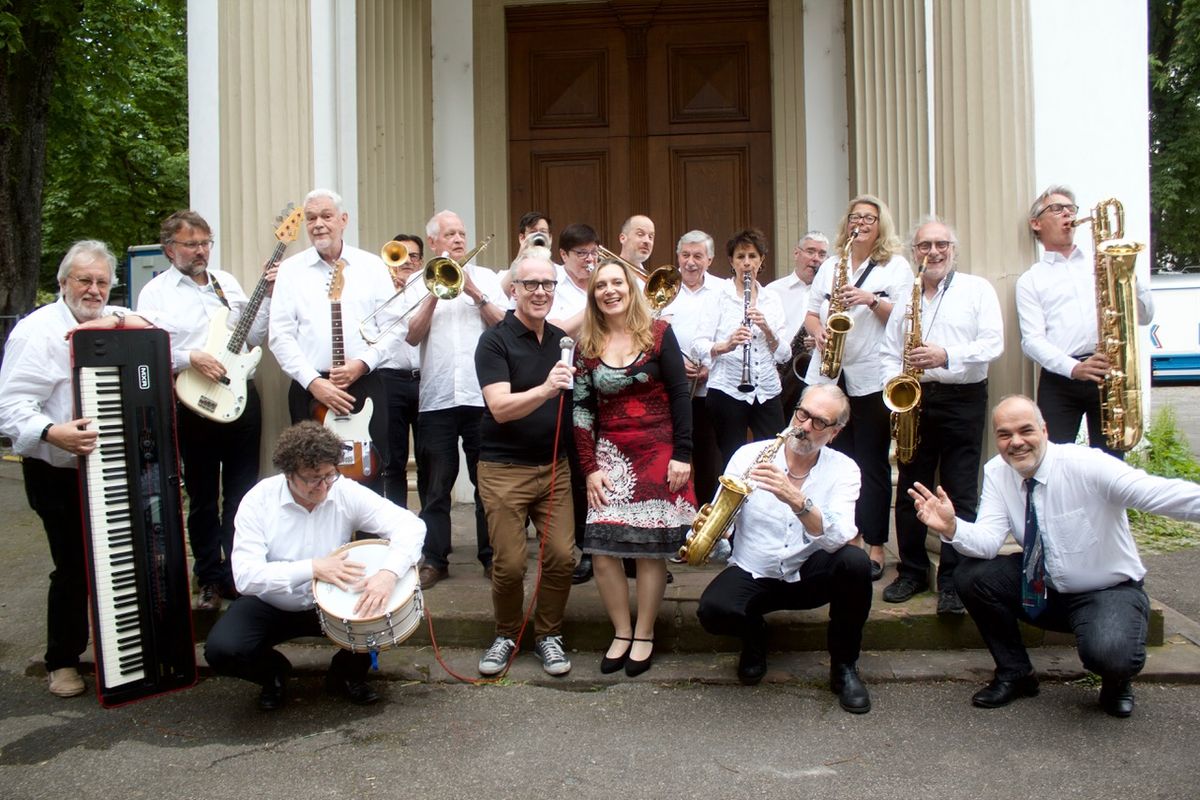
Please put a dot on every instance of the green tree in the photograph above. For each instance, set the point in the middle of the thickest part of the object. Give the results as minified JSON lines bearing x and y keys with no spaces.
{"x":1175,"y":132}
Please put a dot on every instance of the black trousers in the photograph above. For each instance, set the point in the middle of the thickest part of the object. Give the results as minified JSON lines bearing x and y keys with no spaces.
{"x":403,"y":388}
{"x":706,"y":455}
{"x":302,"y":406}
{"x":866,"y":439}
{"x":950,"y":430}
{"x":220,"y":464}
{"x":735,"y":602}
{"x":53,"y":492}
{"x":1109,"y":624}
{"x":437,"y":454}
{"x":578,"y":489}
{"x":1064,"y":402}
{"x":731,"y":417}
{"x":242,"y":643}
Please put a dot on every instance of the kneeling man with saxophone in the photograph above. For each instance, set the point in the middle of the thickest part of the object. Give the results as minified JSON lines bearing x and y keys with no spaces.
{"x":790,"y":551}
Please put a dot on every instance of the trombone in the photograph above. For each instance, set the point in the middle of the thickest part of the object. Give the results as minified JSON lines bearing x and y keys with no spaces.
{"x":662,"y":284}
{"x":443,"y":278}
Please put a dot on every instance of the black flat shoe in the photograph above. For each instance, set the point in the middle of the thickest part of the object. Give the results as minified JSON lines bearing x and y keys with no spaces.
{"x":274,"y":693}
{"x":610,"y":665}
{"x":358,"y":692}
{"x":633,"y":667}
{"x":1116,"y":697}
{"x":876,"y":570}
{"x":1000,"y":693}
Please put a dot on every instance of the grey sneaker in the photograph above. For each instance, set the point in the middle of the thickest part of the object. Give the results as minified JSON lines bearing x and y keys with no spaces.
{"x":554,"y":660}
{"x":496,"y":658}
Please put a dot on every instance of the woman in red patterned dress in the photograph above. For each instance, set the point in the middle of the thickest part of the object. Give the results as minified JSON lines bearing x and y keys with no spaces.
{"x":633,"y":429}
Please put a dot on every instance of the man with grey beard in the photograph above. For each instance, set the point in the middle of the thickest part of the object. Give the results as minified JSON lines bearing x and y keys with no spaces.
{"x":790,"y":550}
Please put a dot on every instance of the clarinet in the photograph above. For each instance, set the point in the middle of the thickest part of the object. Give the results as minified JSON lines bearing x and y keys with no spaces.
{"x":747,"y":283}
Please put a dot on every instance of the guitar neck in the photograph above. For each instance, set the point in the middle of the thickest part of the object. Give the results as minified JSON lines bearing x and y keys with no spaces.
{"x":335,"y":325}
{"x":242,"y":329}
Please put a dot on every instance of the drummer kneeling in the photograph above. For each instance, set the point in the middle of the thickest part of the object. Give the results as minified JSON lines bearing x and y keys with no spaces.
{"x":287,"y":530}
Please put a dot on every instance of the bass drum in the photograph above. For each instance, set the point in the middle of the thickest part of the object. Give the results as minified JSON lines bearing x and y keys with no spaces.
{"x":335,"y":607}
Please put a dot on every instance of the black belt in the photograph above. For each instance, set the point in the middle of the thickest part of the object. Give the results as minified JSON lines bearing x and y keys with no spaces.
{"x":934,"y":387}
{"x":404,"y":374}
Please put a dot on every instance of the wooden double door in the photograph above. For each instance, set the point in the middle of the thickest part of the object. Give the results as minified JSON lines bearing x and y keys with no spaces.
{"x":647,"y":107}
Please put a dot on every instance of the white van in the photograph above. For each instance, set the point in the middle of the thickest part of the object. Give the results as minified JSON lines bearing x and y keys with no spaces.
{"x":1175,"y":332}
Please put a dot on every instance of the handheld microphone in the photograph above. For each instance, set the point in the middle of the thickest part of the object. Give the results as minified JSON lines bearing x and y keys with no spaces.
{"x":566,"y":344}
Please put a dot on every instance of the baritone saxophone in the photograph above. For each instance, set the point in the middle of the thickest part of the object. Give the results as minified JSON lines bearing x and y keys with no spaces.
{"x":714,"y":518}
{"x":1116,"y":323}
{"x":838,"y":323}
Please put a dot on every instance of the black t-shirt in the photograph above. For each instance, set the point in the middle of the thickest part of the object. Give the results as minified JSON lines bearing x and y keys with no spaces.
{"x":508,"y":352}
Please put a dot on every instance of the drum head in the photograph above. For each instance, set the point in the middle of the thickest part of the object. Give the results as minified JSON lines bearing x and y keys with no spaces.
{"x":340,"y":604}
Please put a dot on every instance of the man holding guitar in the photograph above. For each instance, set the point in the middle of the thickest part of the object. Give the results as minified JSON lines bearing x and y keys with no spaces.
{"x":324,"y":291}
{"x":218,"y":428}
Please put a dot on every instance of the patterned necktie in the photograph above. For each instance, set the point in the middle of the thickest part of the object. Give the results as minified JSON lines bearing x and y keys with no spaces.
{"x":1033,"y":567}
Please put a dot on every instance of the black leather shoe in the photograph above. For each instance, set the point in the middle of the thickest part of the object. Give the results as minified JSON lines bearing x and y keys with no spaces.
{"x":274,"y":692}
{"x":902,"y":590}
{"x":1116,"y":697}
{"x":1000,"y":693}
{"x":356,"y":691}
{"x":852,"y":694}
{"x":949,"y":603}
{"x":876,"y":570}
{"x":752,"y":665}
{"x":583,"y":570}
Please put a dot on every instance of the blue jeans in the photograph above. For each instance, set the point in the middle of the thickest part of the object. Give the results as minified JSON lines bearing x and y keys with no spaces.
{"x":438,"y":433}
{"x":1109,"y":624}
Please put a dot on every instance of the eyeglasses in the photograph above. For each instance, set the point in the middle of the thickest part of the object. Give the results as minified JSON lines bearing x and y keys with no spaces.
{"x":941,"y":245}
{"x":1068,"y":209}
{"x":88,"y":283}
{"x":818,"y":424}
{"x":313,"y":483}
{"x":586,"y":255}
{"x":866,"y":219}
{"x":533,"y":286}
{"x":812,"y":251}
{"x":196,"y":245}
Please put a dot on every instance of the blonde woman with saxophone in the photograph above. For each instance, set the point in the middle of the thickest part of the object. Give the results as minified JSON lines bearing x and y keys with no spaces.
{"x":741,"y":340}
{"x":791,"y":549}
{"x":876,"y":277}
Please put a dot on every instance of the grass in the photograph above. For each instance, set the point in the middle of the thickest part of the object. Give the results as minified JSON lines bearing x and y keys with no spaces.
{"x":1166,"y":453}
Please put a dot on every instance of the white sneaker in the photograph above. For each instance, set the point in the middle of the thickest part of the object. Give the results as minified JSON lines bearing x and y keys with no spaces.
{"x":496,"y":658}
{"x":66,"y":682}
{"x":554,"y":660}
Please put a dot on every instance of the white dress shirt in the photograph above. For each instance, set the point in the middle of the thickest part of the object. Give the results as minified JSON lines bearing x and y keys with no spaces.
{"x":185,"y":309}
{"x":1080,"y":499}
{"x":794,"y":293}
{"x":860,"y":358}
{"x":771,"y":541}
{"x":723,"y":312}
{"x":448,"y":378}
{"x":301,"y":328}
{"x":276,"y":539}
{"x":685,"y":313}
{"x":1056,"y":306}
{"x":35,"y":382}
{"x":569,"y":299}
{"x":963,"y":318}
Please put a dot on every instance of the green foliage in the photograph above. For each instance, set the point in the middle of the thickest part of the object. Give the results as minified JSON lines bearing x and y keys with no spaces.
{"x":1167,"y":454}
{"x":1174,"y":132}
{"x":117,"y":150}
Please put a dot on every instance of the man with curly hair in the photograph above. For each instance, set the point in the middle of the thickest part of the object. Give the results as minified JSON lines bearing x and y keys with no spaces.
{"x":287,"y":533}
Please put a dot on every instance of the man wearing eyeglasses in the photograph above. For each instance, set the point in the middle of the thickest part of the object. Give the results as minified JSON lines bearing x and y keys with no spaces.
{"x":401,"y":375}
{"x":790,"y":549}
{"x":523,"y":469}
{"x":289,"y":529}
{"x":36,"y":407}
{"x":808,"y":255}
{"x":220,"y":459}
{"x":1056,"y":305}
{"x":962,"y":332}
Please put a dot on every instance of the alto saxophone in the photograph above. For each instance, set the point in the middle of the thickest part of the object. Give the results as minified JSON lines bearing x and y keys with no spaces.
{"x":838,"y":323}
{"x":902,"y":393}
{"x":713,"y":519}
{"x":1116,"y":323}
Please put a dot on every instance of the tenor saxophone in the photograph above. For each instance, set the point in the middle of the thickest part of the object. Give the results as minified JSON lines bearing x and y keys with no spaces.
{"x":713,"y":519}
{"x":838,"y":323}
{"x":902,"y":393}
{"x":1116,"y":323}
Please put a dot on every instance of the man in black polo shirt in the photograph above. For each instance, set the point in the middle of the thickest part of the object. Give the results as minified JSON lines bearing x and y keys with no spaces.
{"x":523,"y":472}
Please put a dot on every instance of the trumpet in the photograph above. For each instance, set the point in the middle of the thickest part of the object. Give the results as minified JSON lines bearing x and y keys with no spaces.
{"x":662,"y":283}
{"x":443,"y":278}
{"x":395,"y":256}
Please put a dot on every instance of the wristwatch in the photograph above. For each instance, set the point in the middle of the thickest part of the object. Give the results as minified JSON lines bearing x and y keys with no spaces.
{"x":483,"y":300}
{"x":807,"y":507}
{"x":873,"y":304}
{"x":120,"y":315}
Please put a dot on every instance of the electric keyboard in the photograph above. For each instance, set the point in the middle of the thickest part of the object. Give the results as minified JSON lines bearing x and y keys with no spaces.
{"x":132,"y":515}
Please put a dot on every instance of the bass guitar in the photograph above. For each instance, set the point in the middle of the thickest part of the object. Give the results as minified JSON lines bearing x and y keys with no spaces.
{"x":360,"y":458}
{"x":224,"y":400}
